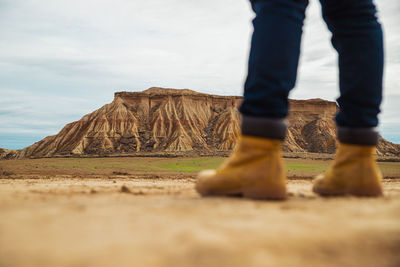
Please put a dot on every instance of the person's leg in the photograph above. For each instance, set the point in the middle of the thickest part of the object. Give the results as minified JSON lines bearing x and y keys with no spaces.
{"x":272,"y":69}
{"x":357,"y":36}
{"x":255,"y":168}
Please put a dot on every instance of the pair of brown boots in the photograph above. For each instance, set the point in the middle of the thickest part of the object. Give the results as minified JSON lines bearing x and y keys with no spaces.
{"x":255,"y":170}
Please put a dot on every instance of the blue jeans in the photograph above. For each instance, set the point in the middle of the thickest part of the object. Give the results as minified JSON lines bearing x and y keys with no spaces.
{"x":275,"y":49}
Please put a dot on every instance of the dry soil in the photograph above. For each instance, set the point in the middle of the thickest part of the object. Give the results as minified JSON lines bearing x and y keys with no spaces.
{"x":158,"y":220}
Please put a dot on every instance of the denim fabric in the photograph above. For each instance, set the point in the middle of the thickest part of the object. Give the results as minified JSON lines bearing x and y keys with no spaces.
{"x":275,"y":49}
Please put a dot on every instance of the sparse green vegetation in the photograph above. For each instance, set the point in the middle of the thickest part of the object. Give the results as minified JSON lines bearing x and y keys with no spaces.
{"x":306,"y":167}
{"x":104,"y":166}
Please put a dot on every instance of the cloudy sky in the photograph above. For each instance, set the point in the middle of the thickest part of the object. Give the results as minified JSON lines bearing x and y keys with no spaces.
{"x":60,"y":60}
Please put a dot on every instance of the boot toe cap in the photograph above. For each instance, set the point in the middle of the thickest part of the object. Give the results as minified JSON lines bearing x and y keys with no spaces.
{"x":203,"y":181}
{"x":318,"y":184}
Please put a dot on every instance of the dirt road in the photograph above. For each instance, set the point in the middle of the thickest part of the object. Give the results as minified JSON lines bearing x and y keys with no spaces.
{"x":162,"y":222}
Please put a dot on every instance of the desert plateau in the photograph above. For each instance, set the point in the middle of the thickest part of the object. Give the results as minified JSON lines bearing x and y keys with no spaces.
{"x":182,"y":122}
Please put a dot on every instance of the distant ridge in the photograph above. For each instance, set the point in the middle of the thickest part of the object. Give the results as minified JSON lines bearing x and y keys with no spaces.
{"x":182,"y":121}
{"x":171,"y":91}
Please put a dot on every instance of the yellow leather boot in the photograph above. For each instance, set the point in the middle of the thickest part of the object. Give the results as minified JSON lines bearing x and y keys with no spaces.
{"x":254,"y":170}
{"x":354,"y":172}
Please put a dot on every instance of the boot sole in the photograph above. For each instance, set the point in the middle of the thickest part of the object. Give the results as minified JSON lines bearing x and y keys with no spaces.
{"x":359,"y":192}
{"x":252,"y":193}
{"x":265,"y":193}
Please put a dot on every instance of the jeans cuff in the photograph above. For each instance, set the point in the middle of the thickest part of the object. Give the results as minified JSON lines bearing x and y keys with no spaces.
{"x":358,"y":136}
{"x":264,"y":127}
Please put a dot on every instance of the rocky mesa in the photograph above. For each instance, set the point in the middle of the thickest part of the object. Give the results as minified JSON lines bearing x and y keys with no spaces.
{"x":182,"y":121}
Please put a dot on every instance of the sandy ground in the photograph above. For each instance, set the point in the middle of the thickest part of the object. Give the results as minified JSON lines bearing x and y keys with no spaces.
{"x":121,"y":221}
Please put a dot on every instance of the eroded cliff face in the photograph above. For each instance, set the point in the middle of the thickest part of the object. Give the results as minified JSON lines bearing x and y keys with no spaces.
{"x":161,"y":120}
{"x":6,"y":153}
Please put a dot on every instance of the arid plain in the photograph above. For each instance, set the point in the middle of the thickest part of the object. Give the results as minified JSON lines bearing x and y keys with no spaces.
{"x":145,"y":212}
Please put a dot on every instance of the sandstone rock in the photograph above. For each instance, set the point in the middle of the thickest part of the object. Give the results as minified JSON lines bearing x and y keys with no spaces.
{"x":161,"y":120}
{"x":7,"y":153}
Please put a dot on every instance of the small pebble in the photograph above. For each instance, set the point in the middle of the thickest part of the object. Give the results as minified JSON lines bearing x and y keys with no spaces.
{"x":125,"y":189}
